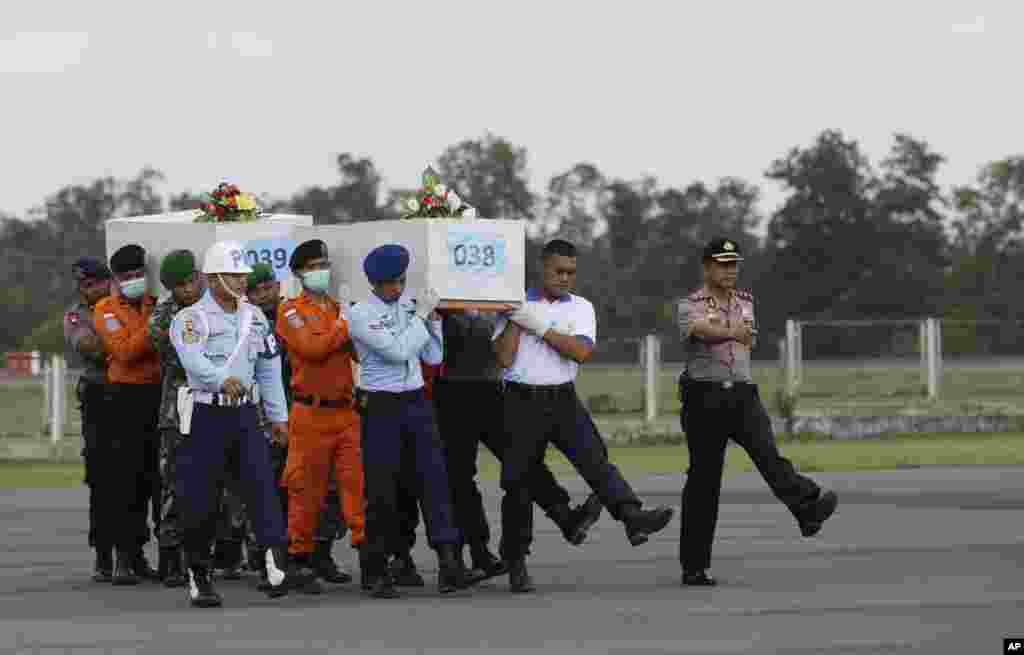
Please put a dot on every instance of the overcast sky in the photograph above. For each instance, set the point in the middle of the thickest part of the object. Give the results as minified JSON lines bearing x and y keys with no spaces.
{"x":682,"y":90}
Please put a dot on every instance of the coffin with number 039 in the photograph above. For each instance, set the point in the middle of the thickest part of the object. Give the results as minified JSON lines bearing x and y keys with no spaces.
{"x":270,"y":239}
{"x":471,"y":263}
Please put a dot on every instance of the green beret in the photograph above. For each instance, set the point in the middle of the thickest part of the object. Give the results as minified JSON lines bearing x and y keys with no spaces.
{"x":176,"y":268}
{"x":260,"y":273}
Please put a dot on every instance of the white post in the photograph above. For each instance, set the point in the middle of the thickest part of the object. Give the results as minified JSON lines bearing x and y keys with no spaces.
{"x":56,"y":384}
{"x":922,"y":345}
{"x":792,"y":356}
{"x":650,"y":352}
{"x":36,"y":363}
{"x":933,"y":359}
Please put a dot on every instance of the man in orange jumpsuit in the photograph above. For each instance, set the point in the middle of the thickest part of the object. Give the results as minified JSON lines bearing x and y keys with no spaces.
{"x":129,"y":478}
{"x":323,"y":427}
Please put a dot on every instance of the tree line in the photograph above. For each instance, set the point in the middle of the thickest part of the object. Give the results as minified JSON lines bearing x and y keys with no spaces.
{"x":852,"y":239}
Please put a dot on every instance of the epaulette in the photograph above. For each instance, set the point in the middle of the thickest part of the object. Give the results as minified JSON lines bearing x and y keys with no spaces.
{"x":697,"y":295}
{"x":745,"y":295}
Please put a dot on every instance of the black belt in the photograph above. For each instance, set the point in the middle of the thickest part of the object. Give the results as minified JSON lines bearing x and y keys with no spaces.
{"x":315,"y":401}
{"x":546,"y":391}
{"x":708,"y":385}
{"x":414,"y":394}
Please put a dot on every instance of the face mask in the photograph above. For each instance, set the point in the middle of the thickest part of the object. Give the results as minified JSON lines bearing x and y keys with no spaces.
{"x":316,"y":281}
{"x":133,"y":289}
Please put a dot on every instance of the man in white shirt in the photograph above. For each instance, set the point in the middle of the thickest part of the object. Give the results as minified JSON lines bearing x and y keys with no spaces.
{"x":540,"y":346}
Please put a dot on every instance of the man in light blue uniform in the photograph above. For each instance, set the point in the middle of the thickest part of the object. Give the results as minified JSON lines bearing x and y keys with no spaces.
{"x":392,"y":335}
{"x":227,"y":348}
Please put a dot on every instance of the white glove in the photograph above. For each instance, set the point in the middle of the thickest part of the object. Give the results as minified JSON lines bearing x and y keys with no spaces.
{"x":426,"y":302}
{"x":344,"y":298}
{"x":527,"y":317}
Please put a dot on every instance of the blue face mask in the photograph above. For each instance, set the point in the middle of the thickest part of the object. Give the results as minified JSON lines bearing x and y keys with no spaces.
{"x":317,"y":281}
{"x":133,"y":289}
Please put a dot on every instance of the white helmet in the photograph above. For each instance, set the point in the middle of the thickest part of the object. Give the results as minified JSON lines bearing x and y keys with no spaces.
{"x":226,"y":257}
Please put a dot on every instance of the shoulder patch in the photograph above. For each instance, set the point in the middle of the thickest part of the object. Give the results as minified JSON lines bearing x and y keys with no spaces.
{"x":294,"y":318}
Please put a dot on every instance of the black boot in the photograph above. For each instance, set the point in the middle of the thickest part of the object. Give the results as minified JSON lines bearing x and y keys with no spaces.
{"x":142,"y":568}
{"x":451,"y":571}
{"x":325,"y":567}
{"x":811,"y":518}
{"x":227,"y":559}
{"x":642,"y":523}
{"x":403,"y":570}
{"x":124,"y":569}
{"x":302,"y":572}
{"x":282,"y":576}
{"x":103,"y":569}
{"x":485,"y":564}
{"x":201,"y":592}
{"x":378,"y":576}
{"x":172,"y":568}
{"x":519,"y":578}
{"x":698,"y":579}
{"x":576,"y":522}
{"x":366,"y":575}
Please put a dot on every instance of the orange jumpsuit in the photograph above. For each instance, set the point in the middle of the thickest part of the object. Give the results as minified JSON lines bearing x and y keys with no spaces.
{"x":323,"y":427}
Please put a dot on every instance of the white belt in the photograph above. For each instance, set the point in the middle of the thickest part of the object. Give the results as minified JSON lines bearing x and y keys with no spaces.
{"x":224,"y":400}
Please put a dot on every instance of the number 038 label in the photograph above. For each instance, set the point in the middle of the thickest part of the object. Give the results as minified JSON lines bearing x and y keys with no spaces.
{"x":472,"y":251}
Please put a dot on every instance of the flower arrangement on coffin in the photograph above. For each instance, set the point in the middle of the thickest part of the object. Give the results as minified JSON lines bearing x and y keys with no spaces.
{"x":227,"y":204}
{"x":435,"y":200}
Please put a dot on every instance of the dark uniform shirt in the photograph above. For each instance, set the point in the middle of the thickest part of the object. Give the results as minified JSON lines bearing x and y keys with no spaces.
{"x":78,"y":324}
{"x":468,"y":352}
{"x":721,"y":360}
{"x":172,"y":374}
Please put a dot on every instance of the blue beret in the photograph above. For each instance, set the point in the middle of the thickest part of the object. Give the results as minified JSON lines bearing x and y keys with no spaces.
{"x":90,"y":268}
{"x":385,"y":263}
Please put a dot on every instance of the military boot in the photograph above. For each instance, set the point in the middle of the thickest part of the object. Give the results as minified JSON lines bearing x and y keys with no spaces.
{"x":485,"y":564}
{"x":576,"y":522}
{"x":816,"y":513}
{"x":124,"y":569}
{"x":172,"y":568}
{"x":519,"y":578}
{"x":325,"y":566}
{"x":642,"y":523}
{"x":451,"y":571}
{"x":201,"y":592}
{"x":301,"y":569}
{"x":403,"y":570}
{"x":103,"y":569}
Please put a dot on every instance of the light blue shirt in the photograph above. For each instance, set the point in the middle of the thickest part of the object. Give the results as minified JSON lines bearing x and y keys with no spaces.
{"x":391,"y":341}
{"x":204,"y":335}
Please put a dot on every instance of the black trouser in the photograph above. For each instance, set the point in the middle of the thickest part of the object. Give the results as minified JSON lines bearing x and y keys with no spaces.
{"x":533,"y":418}
{"x":91,"y":398}
{"x":470,"y":412}
{"x":125,"y":472}
{"x":711,"y":415}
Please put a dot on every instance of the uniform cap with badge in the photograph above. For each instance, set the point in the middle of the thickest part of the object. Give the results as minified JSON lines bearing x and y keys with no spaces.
{"x":386,"y":263}
{"x":723,"y":250}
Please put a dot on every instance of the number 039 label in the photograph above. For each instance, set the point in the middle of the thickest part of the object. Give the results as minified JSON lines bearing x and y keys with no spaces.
{"x":472,"y":251}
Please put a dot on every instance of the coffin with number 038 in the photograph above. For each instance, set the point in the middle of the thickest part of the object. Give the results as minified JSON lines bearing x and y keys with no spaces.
{"x":471,"y":263}
{"x":270,"y":239}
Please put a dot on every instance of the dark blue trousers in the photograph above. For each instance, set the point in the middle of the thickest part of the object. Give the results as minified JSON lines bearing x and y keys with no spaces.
{"x":400,"y":438}
{"x":223,"y":438}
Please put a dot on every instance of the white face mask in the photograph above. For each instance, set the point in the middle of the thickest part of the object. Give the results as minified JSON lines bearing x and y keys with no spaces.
{"x":133,"y":289}
{"x":317,"y":281}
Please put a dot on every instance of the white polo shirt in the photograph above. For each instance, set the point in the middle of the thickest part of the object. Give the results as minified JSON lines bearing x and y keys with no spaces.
{"x":537,"y":363}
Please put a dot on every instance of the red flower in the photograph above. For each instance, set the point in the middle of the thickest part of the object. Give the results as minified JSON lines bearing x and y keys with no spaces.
{"x":219,"y":211}
{"x":428,"y":200}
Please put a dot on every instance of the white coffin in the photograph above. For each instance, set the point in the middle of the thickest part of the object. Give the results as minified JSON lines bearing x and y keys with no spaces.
{"x":270,"y":239}
{"x":469,"y":262}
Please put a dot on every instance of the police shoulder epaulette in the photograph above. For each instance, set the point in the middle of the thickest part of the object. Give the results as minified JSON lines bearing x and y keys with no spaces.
{"x":697,"y":295}
{"x":745,"y":295}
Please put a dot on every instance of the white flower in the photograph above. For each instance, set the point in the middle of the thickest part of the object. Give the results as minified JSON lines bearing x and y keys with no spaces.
{"x":412,"y":205}
{"x":454,"y":201}
{"x":470,"y":212}
{"x":440,"y":190}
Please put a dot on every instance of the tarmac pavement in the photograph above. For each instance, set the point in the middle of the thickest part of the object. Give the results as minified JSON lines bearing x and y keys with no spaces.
{"x":925,"y":560}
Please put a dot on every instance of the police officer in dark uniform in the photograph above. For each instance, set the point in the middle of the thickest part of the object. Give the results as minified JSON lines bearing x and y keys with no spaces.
{"x":541,"y":345}
{"x":720,"y":401}
{"x":92,"y":278}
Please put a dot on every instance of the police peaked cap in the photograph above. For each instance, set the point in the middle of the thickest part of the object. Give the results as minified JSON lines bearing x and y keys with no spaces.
{"x":261,"y":272}
{"x":87,"y":268}
{"x":128,"y":258}
{"x":723,"y":250}
{"x":386,"y":263}
{"x":176,"y":268}
{"x":307,"y":250}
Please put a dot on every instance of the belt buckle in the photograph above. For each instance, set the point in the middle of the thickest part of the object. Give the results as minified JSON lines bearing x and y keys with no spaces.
{"x":727,"y":384}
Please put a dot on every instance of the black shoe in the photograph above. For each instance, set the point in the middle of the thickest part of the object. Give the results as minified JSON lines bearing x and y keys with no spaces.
{"x":302,"y":573}
{"x":142,"y":568}
{"x":642,"y":523}
{"x":384,"y":587}
{"x":281,"y":576}
{"x":227,"y":560}
{"x":103,"y":569}
{"x":403,"y":570}
{"x":124,"y":570}
{"x":581,"y":519}
{"x":451,"y":570}
{"x":486,"y":566}
{"x":812,"y":518}
{"x":698,"y":579}
{"x":366,"y":576}
{"x":172,"y":568}
{"x":200,"y":587}
{"x":254,"y":559}
{"x":325,"y":567}
{"x":519,"y":578}
{"x":231,"y":572}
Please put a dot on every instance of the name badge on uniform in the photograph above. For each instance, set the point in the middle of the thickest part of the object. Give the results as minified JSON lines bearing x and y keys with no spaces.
{"x":270,"y":347}
{"x":113,"y":325}
{"x":294,"y":318}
